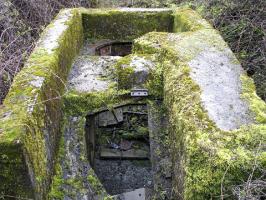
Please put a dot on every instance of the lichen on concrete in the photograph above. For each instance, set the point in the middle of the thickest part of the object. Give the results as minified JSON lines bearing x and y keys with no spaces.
{"x":204,"y":148}
{"x":216,"y":123}
{"x":93,"y":70}
{"x":124,"y":25}
{"x":35,"y":110}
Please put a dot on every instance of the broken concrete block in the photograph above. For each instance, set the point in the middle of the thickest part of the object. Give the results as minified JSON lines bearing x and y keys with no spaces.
{"x":113,"y":117}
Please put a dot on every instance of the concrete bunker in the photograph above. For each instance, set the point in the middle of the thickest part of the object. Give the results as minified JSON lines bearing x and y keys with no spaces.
{"x":45,"y":113}
{"x":119,"y":146}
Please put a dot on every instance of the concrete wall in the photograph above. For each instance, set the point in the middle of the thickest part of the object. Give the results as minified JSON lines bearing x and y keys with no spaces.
{"x":216,"y":121}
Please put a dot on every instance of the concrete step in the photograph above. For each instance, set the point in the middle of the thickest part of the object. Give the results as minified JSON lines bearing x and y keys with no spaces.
{"x":129,"y":154}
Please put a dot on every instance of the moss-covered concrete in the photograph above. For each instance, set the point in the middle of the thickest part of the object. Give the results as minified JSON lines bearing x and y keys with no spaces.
{"x":124,"y":25}
{"x":74,"y":180}
{"x":128,"y":72}
{"x":188,"y":20}
{"x":208,"y":161}
{"x":31,"y":114}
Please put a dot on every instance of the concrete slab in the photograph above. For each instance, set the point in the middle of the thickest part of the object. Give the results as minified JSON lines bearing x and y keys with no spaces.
{"x":219,"y":79}
{"x":129,"y":154}
{"x":91,"y":73}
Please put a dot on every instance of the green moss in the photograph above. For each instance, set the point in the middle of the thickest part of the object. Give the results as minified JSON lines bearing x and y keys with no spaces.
{"x":95,"y":183}
{"x":13,"y":167}
{"x":124,"y":73}
{"x":140,"y":133}
{"x":188,"y":20}
{"x":124,"y":25}
{"x":63,"y":186}
{"x":201,"y":152}
{"x":83,"y":103}
{"x":208,"y":151}
{"x":56,"y":191}
{"x":32,"y":108}
{"x":257,"y":106}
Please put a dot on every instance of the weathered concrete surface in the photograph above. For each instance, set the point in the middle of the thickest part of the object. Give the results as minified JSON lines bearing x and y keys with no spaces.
{"x":203,"y":142}
{"x":92,"y":73}
{"x":142,"y":67}
{"x":35,"y":110}
{"x":129,"y":154}
{"x":160,"y":151}
{"x":219,"y":79}
{"x":216,"y":120}
{"x":216,"y":71}
{"x":125,"y":24}
{"x":119,"y":176}
{"x":133,"y":71}
{"x":77,"y":179}
{"x":52,"y":36}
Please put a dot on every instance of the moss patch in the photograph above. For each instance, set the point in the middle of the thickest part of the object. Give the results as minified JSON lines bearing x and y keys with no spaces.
{"x":119,"y":25}
{"x":208,"y":162}
{"x":188,"y":20}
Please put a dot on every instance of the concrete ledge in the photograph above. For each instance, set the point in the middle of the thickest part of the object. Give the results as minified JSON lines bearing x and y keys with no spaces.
{"x":125,"y":24}
{"x":129,"y":154}
{"x":31,"y":112}
{"x":217,"y":122}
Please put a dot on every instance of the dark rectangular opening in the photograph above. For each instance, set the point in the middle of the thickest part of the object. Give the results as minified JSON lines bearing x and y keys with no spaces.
{"x":119,"y":148}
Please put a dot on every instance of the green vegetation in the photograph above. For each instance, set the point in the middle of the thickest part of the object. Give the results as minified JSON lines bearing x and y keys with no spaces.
{"x":95,"y":183}
{"x":241,"y":25}
{"x":123,"y":25}
{"x":32,"y":109}
{"x":209,"y":162}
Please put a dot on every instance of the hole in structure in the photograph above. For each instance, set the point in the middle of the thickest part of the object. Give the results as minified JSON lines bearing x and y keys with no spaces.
{"x":119,"y":148}
{"x":114,"y":49}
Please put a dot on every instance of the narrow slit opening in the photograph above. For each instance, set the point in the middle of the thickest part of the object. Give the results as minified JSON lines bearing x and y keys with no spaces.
{"x":114,"y":48}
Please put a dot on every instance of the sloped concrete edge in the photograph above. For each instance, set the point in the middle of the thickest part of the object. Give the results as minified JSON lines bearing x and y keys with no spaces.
{"x":211,"y":156}
{"x":31,"y":113}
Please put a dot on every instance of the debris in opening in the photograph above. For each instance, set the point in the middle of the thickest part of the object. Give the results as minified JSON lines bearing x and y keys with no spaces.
{"x":114,"y":49}
{"x":121,"y":149}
